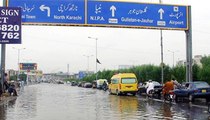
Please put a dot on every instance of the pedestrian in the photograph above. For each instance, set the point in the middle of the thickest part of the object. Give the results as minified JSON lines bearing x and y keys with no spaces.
{"x":1,"y":91}
{"x":6,"y":82}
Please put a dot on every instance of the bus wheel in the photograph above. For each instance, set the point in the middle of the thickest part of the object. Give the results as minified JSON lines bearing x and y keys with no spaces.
{"x":110,"y":92}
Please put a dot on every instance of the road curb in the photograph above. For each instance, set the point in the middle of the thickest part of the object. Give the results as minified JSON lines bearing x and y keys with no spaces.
{"x":5,"y":100}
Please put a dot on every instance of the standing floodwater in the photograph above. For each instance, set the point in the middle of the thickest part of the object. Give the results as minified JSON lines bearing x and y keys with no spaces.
{"x":64,"y":102}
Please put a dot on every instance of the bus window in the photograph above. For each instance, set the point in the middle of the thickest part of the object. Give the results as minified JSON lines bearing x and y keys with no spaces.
{"x":128,"y":80}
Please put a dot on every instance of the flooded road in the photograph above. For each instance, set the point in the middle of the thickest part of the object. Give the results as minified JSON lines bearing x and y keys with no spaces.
{"x":64,"y":102}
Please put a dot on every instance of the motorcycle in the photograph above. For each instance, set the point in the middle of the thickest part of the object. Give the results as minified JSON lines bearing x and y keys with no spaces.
{"x":154,"y":93}
{"x":151,"y":93}
{"x":105,"y":88}
{"x":169,"y":97}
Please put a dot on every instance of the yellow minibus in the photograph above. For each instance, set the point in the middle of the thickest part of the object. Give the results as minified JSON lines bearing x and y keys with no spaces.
{"x":123,"y":83}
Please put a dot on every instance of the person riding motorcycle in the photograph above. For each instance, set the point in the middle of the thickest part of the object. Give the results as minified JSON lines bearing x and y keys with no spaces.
{"x":177,"y":85}
{"x":105,"y":86}
{"x":150,"y":88}
{"x":169,"y":86}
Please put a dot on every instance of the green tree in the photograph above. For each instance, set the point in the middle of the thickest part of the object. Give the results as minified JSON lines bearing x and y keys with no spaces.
{"x":179,"y":73}
{"x":204,"y":73}
{"x":146,"y":72}
{"x":195,"y":72}
{"x":167,"y":73}
{"x":13,"y":77}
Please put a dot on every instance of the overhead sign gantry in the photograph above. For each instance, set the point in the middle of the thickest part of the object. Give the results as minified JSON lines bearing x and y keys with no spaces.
{"x":109,"y":13}
{"x":51,"y":11}
{"x":136,"y":15}
{"x":102,"y":13}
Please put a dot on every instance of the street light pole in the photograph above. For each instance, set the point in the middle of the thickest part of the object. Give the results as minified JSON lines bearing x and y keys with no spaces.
{"x":67,"y":70}
{"x":27,"y":60}
{"x":88,"y":56}
{"x":96,"y":55}
{"x":173,"y":55}
{"x":162,"y":65}
{"x":19,"y":49}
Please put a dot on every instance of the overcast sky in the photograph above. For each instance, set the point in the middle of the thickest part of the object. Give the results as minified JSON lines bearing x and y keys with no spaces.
{"x":54,"y":47}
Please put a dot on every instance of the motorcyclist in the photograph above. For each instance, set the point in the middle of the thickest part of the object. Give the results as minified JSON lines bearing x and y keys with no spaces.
{"x":168,"y":86}
{"x":150,"y":87}
{"x":176,"y":84}
{"x":11,"y":89}
{"x":104,"y":86}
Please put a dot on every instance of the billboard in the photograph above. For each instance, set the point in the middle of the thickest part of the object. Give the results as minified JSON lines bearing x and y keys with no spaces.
{"x":10,"y":25}
{"x":28,"y":66}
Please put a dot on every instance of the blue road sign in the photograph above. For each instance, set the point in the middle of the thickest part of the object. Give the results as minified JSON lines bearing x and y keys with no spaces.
{"x":103,"y":13}
{"x":82,"y":74}
{"x":51,"y":11}
{"x":110,"y":13}
{"x":10,"y":25}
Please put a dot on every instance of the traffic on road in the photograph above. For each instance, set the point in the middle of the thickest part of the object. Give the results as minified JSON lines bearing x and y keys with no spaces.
{"x":63,"y":101}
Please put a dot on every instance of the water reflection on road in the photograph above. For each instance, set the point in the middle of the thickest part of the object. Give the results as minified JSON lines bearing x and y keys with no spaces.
{"x":64,"y":102}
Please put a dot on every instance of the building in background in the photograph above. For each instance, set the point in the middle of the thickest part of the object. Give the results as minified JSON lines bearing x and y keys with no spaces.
{"x":27,"y":71}
{"x":32,"y":72}
{"x":11,"y":73}
{"x":125,"y":66}
{"x":196,"y":60}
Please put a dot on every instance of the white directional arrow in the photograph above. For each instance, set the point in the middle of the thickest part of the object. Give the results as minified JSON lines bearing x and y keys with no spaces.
{"x":161,"y":11}
{"x":113,"y":9}
{"x":43,"y":8}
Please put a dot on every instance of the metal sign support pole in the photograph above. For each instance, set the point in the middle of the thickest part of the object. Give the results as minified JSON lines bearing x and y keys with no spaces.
{"x":189,"y":48}
{"x":162,"y":64}
{"x":3,"y":51}
{"x":3,"y":54}
{"x":161,"y":45}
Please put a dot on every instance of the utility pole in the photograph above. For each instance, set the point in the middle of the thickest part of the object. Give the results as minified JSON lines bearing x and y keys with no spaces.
{"x":18,"y":49}
{"x":173,"y":55}
{"x":88,"y":56}
{"x":189,"y":47}
{"x":161,"y":45}
{"x":3,"y":55}
{"x":96,"y":56}
{"x":67,"y":70}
